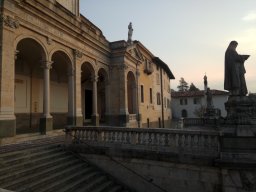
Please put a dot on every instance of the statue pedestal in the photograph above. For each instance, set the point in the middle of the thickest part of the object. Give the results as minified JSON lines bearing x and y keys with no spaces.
{"x":241,"y":115}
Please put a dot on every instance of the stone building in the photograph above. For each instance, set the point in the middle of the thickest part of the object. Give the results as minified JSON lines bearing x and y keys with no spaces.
{"x":58,"y":69}
{"x":185,"y":104}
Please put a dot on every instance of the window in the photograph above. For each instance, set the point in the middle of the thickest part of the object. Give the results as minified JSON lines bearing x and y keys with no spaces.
{"x":165,"y":102}
{"x":150,"y":96}
{"x":183,"y":101}
{"x":142,"y":93}
{"x":197,"y":101}
{"x":158,"y":99}
{"x":168,"y":103}
{"x":157,"y":79}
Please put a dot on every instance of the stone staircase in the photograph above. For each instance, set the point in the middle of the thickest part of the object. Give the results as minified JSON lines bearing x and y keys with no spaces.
{"x":49,"y":168}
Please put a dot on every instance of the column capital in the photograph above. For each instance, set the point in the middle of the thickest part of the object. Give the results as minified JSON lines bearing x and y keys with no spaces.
{"x":16,"y":52}
{"x":9,"y":21}
{"x":94,"y":78}
{"x":46,"y":64}
{"x":77,"y":53}
{"x":71,"y":72}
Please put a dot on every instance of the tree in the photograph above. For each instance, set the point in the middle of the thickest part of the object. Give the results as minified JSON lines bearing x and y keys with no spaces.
{"x":192,"y":87}
{"x":183,"y":85}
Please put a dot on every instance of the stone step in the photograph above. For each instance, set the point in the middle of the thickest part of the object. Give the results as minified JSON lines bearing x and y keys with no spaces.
{"x":20,"y":152}
{"x":41,"y":176}
{"x":33,"y":162}
{"x":116,"y":188}
{"x":49,"y":168}
{"x":69,"y":179}
{"x":92,"y":183}
{"x":105,"y":186}
{"x":33,"y":167}
{"x":55,"y":177}
{"x":27,"y":156}
{"x":82,"y":181}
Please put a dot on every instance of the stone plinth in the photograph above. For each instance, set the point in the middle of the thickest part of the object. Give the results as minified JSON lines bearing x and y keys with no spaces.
{"x":241,"y":115}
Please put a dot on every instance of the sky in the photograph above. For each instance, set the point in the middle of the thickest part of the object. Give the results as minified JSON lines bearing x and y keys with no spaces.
{"x":190,"y":36}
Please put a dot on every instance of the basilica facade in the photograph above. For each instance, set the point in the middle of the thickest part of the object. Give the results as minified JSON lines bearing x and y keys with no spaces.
{"x":58,"y":69}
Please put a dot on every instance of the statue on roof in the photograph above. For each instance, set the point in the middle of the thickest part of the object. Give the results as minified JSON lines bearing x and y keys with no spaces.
{"x":130,"y":31}
{"x":234,"y":71}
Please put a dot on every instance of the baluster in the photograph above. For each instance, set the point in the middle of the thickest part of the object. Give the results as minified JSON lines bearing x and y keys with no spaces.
{"x":150,"y":138}
{"x":196,"y":141}
{"x":154,"y":139}
{"x":139,"y":138}
{"x":182,"y":141}
{"x":122,"y":137}
{"x":146,"y":137}
{"x":109,"y":136}
{"x":95,"y":135}
{"x":202,"y":142}
{"x":189,"y":143}
{"x":127,"y":137}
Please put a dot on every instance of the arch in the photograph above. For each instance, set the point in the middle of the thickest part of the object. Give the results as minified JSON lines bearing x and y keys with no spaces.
{"x":64,"y":52}
{"x":19,"y":38}
{"x":61,"y":88}
{"x":88,"y":75}
{"x":28,"y":84}
{"x":184,"y":113}
{"x":61,"y":62}
{"x":131,"y":92}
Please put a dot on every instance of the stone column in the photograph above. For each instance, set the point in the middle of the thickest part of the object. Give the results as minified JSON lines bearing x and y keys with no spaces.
{"x":124,"y":114}
{"x":95,"y":115}
{"x":71,"y":94}
{"x":7,"y":76}
{"x":46,"y":120}
{"x":107,"y":100}
{"x":78,"y":116}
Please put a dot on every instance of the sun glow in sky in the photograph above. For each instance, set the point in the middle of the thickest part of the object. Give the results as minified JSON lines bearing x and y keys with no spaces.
{"x":191,"y":36}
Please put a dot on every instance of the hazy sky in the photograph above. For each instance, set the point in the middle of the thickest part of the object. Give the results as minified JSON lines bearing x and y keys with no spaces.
{"x":191,"y":36}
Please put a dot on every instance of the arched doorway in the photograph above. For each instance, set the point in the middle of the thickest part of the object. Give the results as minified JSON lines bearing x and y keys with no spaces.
{"x":87,"y":78}
{"x":131,"y":92}
{"x":101,"y":87}
{"x":59,"y":88}
{"x":28,"y":85}
{"x":184,"y":113}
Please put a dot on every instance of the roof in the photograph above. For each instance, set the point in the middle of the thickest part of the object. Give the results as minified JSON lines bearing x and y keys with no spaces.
{"x":158,"y":61}
{"x":200,"y":93}
{"x":163,"y":65}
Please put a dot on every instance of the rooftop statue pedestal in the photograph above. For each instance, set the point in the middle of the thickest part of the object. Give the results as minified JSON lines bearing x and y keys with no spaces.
{"x":241,"y":115}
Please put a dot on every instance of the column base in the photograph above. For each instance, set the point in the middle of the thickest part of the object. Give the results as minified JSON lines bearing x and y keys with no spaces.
{"x":79,"y":120}
{"x":124,"y":120}
{"x":7,"y":128}
{"x":76,"y":121}
{"x":95,"y":120}
{"x":46,"y":124}
{"x":71,"y":120}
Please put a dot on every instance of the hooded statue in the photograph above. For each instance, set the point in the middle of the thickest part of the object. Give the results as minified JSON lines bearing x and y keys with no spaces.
{"x":234,"y":80}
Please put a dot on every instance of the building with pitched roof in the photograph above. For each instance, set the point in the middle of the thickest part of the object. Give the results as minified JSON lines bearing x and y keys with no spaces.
{"x":58,"y":69}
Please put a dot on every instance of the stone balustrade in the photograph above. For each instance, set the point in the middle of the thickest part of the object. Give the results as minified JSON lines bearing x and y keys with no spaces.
{"x":202,"y":143}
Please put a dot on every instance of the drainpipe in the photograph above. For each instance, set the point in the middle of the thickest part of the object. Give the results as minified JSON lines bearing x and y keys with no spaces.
{"x":162,"y":96}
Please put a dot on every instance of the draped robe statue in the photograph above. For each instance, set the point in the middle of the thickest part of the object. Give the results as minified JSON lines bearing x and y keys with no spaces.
{"x":234,"y":80}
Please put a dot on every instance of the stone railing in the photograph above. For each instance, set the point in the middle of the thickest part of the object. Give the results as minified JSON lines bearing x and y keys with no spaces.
{"x":198,"y":143}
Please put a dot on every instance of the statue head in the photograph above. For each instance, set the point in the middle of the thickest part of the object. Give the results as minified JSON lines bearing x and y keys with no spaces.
{"x":233,"y":45}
